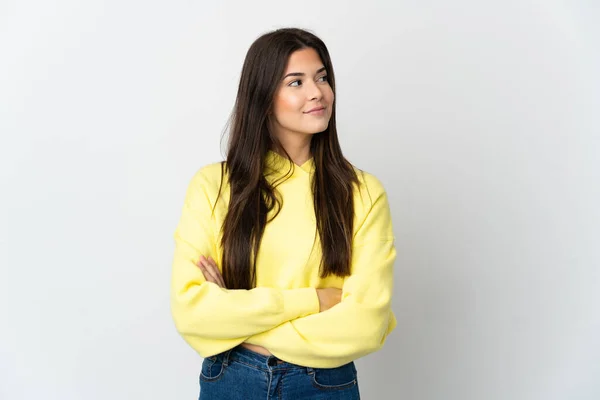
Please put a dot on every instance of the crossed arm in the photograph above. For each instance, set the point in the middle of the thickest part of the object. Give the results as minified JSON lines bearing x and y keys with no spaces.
{"x":345,"y":331}
{"x":328,"y":297}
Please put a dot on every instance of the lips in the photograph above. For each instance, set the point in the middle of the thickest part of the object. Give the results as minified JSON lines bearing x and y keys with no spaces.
{"x":315,"y":109}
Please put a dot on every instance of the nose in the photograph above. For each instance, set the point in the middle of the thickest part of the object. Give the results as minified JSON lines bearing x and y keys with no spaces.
{"x":314,"y":92}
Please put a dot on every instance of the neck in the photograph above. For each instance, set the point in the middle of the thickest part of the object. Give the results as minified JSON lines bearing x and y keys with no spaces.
{"x":298,"y":151}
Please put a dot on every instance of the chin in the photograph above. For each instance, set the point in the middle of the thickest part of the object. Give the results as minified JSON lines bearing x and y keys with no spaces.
{"x":316,"y":129}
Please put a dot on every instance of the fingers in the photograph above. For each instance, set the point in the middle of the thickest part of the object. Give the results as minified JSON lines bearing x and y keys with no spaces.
{"x":209,"y":268}
{"x":206,"y":274}
{"x":216,"y":269}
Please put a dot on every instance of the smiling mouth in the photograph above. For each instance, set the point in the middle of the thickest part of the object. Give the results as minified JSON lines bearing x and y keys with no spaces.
{"x":315,"y":110}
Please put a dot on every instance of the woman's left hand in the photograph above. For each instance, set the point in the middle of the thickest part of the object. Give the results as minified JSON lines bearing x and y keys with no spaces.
{"x":211,"y":272}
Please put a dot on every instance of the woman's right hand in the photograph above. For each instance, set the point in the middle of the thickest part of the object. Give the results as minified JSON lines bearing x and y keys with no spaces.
{"x":328,"y":298}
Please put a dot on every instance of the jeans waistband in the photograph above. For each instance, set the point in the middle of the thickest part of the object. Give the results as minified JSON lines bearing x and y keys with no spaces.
{"x":257,"y":360}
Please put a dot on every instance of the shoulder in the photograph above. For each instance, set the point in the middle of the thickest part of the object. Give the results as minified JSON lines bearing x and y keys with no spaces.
{"x":210,"y":171}
{"x":369,"y":190}
{"x":208,"y":178}
{"x":373,"y":219}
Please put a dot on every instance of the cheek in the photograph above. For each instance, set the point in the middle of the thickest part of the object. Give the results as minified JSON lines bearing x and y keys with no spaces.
{"x":329,"y":96}
{"x":288,"y":103}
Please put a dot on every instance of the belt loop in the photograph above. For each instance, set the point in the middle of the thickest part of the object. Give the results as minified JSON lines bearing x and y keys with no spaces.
{"x":310,"y":371}
{"x":226,"y":358}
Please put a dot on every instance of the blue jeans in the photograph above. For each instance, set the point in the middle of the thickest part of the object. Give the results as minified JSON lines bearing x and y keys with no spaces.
{"x":242,"y":374}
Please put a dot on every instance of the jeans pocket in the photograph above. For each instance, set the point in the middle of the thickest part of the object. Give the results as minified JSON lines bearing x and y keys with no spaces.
{"x":212,"y":368}
{"x":339,"y":378}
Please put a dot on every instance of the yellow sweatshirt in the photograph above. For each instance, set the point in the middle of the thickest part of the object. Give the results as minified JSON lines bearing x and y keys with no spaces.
{"x":282,"y":312}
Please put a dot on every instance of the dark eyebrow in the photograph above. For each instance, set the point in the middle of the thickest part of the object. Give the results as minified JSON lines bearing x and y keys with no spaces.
{"x":302,"y":73}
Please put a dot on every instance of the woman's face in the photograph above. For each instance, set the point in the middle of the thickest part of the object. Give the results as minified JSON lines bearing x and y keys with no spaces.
{"x":304,"y":99}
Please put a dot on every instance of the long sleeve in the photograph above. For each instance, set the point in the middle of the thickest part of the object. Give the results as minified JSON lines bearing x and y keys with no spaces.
{"x":360,"y":323}
{"x":212,"y":319}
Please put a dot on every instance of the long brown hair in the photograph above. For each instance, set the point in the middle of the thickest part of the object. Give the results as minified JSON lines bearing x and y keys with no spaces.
{"x":252,"y":197}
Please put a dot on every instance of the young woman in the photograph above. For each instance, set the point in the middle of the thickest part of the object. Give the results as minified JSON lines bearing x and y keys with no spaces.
{"x":283,"y":268}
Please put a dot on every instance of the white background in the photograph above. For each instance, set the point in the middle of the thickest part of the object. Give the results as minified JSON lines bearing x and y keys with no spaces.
{"x":480,"y":118}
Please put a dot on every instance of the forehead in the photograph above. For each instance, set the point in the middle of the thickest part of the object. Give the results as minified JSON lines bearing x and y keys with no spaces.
{"x":304,"y":60}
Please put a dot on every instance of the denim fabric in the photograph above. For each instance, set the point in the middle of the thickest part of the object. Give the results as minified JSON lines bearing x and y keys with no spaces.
{"x":241,"y":374}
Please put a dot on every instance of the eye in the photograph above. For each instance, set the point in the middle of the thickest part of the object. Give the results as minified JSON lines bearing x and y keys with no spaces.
{"x":293,"y":83}
{"x":324,"y":78}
